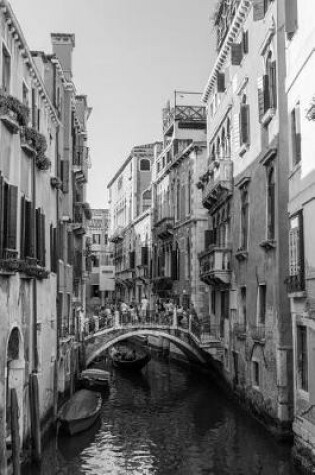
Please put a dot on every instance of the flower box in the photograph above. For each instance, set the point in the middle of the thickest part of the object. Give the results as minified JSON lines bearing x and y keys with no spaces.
{"x":11,"y":103}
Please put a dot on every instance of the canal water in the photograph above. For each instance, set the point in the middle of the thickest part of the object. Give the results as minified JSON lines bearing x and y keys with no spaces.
{"x":167,"y":420}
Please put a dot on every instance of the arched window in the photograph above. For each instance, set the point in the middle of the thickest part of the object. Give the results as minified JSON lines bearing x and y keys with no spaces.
{"x":270,"y":83}
{"x":218,"y":150}
{"x":145,"y":165}
{"x":146,"y":200}
{"x":244,"y":218}
{"x":271,"y":203}
{"x":178,"y":200}
{"x":223,"y":144}
{"x":244,"y":122}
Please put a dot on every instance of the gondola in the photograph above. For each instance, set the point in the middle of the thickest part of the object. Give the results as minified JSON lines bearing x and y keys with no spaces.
{"x":94,"y":378}
{"x":80,"y":412}
{"x":130,"y":364}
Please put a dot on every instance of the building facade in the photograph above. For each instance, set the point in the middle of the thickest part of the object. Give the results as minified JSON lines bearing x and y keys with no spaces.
{"x":130,"y":214}
{"x":42,"y":124}
{"x":245,"y":190}
{"x":101,"y":281}
{"x":300,"y":41}
{"x":179,"y":220}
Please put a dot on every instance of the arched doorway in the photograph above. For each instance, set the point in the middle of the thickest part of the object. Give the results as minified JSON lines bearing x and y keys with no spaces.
{"x":15,"y":374}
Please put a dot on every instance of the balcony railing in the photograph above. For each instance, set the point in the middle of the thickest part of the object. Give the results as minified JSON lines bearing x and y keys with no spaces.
{"x":296,"y":283}
{"x":192,"y":116}
{"x":215,"y":265}
{"x":221,"y":179}
{"x":81,"y":163}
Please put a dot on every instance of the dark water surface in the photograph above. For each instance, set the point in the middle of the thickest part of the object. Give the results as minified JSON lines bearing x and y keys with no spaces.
{"x":167,"y":421}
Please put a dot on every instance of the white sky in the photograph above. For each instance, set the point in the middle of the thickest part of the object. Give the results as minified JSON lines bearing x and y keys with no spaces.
{"x":129,"y":58}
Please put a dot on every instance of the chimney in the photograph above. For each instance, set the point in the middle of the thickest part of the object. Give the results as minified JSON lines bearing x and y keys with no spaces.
{"x":63,"y":44}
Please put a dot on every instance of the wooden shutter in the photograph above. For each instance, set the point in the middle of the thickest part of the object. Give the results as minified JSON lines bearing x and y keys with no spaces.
{"x":144,"y":256}
{"x":2,"y":223}
{"x":261,"y":109}
{"x":266,"y":92}
{"x":65,"y":175}
{"x":297,"y":133}
{"x":38,"y":236}
{"x":43,"y":240}
{"x":70,"y":248}
{"x":244,"y":124}
{"x":273,"y":84}
{"x":174,"y":265}
{"x":55,"y":250}
{"x":60,"y":233}
{"x":29,"y":240}
{"x":34,"y":109}
{"x":22,"y":229}
{"x":291,"y":17}
{"x":301,"y":245}
{"x":245,"y":42}
{"x":220,"y":82}
{"x":12,"y":216}
{"x":258,"y":10}
{"x":236,"y":54}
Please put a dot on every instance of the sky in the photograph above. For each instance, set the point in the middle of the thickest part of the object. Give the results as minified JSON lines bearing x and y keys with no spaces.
{"x":130,"y":56}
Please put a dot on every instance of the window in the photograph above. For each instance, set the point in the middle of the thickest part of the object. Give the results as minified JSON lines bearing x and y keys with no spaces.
{"x":244,"y":122}
{"x":255,"y":373}
{"x":106,"y":239}
{"x":243,"y":306}
{"x":25,"y":94}
{"x":189,"y":194}
{"x":188,"y":266}
{"x":271,"y":203}
{"x":6,"y":70}
{"x":40,"y":237}
{"x":296,"y":281}
{"x":291,"y":17}
{"x":244,"y":218}
{"x":302,"y":358}
{"x":267,"y":90}
{"x":145,"y":165}
{"x":146,"y":200}
{"x":8,"y":216}
{"x":178,"y":200}
{"x":296,"y":134}
{"x":96,"y":238}
{"x":260,"y":8}
{"x":261,"y":303}
{"x":213,"y":301}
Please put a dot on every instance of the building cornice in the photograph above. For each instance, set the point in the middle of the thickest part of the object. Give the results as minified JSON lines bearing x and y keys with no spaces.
{"x":18,"y":37}
{"x":237,"y":23}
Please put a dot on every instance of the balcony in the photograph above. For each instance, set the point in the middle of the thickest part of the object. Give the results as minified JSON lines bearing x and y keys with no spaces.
{"x":220,"y":181}
{"x":215,"y":266}
{"x":258,"y":333}
{"x":295,"y":283}
{"x":81,"y":163}
{"x":188,"y":117}
{"x":164,"y":227}
{"x":118,"y":235}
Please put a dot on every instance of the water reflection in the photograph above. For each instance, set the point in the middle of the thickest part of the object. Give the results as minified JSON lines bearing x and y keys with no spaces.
{"x":163,"y":421}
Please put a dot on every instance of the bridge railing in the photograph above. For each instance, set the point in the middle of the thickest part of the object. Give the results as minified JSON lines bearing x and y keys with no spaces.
{"x":202,"y":331}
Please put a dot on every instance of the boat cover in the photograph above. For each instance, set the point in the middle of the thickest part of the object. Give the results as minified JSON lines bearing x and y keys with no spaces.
{"x":81,"y":405}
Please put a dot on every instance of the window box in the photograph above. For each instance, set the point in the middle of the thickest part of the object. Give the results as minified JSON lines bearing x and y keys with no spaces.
{"x":12,"y":108}
{"x":268,"y":116}
{"x":268,"y":244}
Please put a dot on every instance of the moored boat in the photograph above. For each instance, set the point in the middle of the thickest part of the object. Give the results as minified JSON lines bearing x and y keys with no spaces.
{"x":94,"y":378}
{"x":80,"y":412}
{"x":130,"y":363}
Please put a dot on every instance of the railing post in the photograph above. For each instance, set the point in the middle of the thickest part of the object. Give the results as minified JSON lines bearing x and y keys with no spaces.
{"x":175,"y":323}
{"x":116,"y":319}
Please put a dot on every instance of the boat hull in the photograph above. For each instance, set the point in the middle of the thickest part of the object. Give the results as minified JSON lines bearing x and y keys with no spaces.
{"x":80,"y":425}
{"x":135,"y":365}
{"x":80,"y":412}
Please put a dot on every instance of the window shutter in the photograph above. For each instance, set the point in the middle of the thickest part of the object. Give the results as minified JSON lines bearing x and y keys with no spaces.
{"x":174,"y":265}
{"x":144,"y":256}
{"x":297,"y":134}
{"x":244,"y":124}
{"x":273,"y":84}
{"x":291,"y":16}
{"x":261,"y":109}
{"x":258,"y":10}
{"x":22,"y":230}
{"x":60,"y":233}
{"x":221,"y":82}
{"x":34,"y":110}
{"x":2,"y":224}
{"x":65,"y":175}
{"x":70,"y":248}
{"x":236,"y":131}
{"x":301,"y":245}
{"x":236,"y":54}
{"x":245,"y":42}
{"x":266,"y":92}
{"x":12,"y":216}
{"x":38,"y":236}
{"x":43,"y":240}
{"x":29,"y":241}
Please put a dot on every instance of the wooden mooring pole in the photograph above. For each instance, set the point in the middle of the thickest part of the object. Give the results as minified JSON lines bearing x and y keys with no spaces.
{"x":15,"y":432}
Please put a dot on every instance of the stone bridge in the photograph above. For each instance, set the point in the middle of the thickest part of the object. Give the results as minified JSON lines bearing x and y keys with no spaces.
{"x":194,"y":341}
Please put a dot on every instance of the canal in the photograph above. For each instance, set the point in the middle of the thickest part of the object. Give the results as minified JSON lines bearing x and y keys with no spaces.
{"x":167,"y":420}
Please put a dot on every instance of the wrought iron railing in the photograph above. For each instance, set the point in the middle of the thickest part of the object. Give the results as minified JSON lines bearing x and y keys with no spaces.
{"x":296,"y":283}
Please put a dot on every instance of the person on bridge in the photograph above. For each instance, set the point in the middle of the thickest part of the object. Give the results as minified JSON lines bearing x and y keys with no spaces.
{"x":144,"y":307}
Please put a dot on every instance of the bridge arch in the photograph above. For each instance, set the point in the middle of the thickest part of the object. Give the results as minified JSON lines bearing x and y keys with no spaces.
{"x":188,"y":349}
